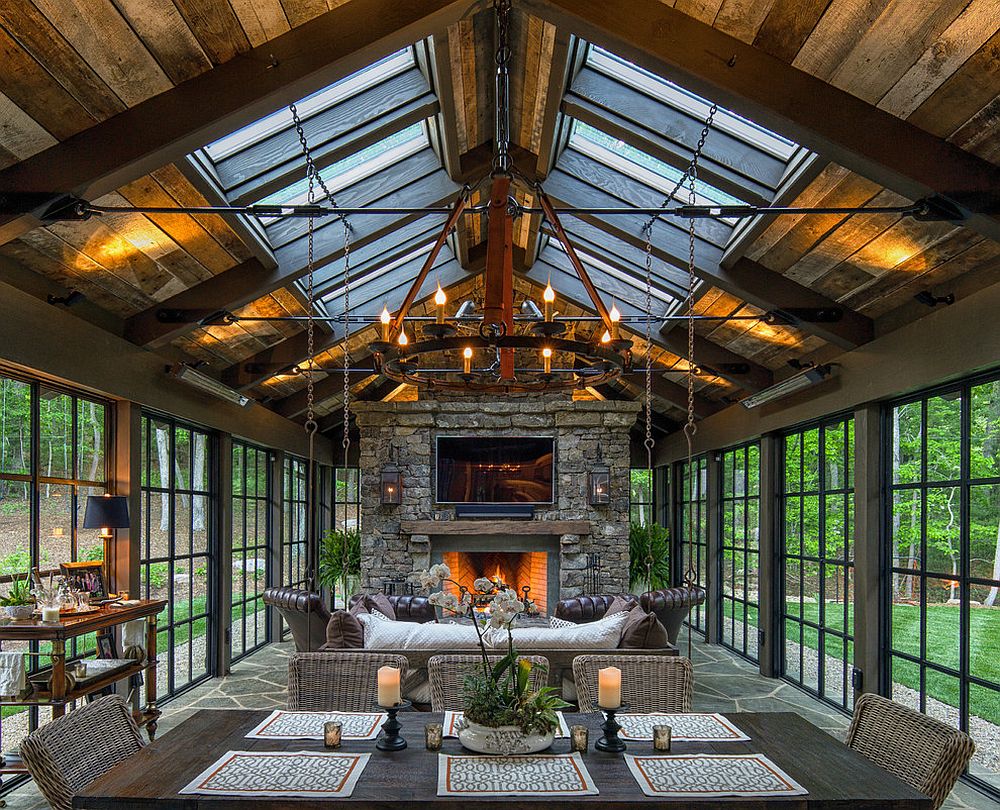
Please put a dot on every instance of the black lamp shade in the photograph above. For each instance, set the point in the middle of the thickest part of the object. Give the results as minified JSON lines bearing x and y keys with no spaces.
{"x":106,"y":512}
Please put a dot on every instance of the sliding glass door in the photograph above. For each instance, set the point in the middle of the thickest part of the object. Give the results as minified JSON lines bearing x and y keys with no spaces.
{"x":691,"y":537}
{"x":251,"y":497}
{"x":739,"y":558}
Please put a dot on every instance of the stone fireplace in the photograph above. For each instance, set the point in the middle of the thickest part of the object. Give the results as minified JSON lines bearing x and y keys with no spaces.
{"x":549,"y":553}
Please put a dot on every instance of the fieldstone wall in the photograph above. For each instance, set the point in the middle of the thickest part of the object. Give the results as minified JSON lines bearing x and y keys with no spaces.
{"x":404,"y":433}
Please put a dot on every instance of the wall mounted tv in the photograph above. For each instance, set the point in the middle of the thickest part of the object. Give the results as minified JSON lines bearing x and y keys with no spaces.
{"x":507,"y":469}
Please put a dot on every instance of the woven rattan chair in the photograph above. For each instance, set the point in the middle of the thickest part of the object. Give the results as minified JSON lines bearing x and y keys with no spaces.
{"x":923,"y":752}
{"x":447,"y":674}
{"x":336,"y":681}
{"x":69,"y":753}
{"x":650,"y":683}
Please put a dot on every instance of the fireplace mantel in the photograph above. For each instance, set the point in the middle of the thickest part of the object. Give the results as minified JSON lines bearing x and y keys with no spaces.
{"x":482,"y":527}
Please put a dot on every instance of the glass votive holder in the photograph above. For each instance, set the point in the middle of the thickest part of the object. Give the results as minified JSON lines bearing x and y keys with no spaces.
{"x":579,"y":738}
{"x":661,"y":738}
{"x":433,"y":735}
{"x":332,"y":731}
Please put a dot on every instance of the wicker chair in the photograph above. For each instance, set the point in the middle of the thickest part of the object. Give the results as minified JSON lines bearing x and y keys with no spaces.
{"x":337,"y":681}
{"x":923,"y":752}
{"x":447,"y":673}
{"x":69,"y":753}
{"x":650,"y":683}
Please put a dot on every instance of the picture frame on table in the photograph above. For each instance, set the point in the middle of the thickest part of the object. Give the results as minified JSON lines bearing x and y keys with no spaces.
{"x":86,"y":575}
{"x":106,"y":646}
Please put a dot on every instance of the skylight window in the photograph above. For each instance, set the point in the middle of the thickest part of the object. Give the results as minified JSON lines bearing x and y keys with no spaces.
{"x":352,"y":85}
{"x":379,"y":271}
{"x":642,"y":167}
{"x":694,"y":105}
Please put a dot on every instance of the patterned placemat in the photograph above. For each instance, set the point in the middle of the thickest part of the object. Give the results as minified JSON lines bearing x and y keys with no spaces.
{"x":282,"y":725}
{"x":453,"y":722}
{"x":292,"y":774}
{"x":689,"y":727}
{"x":711,"y":776}
{"x":528,"y":775}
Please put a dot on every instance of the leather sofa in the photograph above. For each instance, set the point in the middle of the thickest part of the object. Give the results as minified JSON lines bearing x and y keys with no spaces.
{"x":581,"y":609}
{"x":671,"y":606}
{"x":408,"y":607}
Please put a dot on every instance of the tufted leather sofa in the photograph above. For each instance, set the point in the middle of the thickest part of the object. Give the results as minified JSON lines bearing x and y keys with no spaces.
{"x":409,"y":608}
{"x":303,"y":612}
{"x":672,"y":605}
{"x":580,"y":609}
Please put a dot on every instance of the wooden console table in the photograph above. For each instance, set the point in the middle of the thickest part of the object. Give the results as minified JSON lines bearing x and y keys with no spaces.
{"x":70,"y":627}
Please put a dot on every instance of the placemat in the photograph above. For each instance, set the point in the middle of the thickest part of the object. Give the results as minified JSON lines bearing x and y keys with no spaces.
{"x":688,"y":727}
{"x":453,"y":720}
{"x":711,"y":776}
{"x":528,"y":775}
{"x":283,"y":725}
{"x":292,"y":774}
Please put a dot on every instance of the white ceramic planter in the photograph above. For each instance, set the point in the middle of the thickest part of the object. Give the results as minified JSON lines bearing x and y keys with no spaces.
{"x":502,"y":741}
{"x":19,"y":613}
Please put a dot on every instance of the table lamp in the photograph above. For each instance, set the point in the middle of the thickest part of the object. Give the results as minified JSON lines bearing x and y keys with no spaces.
{"x":106,"y":513}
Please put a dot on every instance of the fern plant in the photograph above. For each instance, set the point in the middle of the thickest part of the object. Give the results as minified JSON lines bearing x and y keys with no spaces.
{"x":340,"y":561}
{"x":651,"y":539}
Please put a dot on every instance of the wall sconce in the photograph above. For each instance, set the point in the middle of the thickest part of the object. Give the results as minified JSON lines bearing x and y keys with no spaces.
{"x":599,"y":485}
{"x":392,"y":486}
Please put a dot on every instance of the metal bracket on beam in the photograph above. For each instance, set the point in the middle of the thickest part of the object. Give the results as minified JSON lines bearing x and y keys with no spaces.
{"x":202,"y":317}
{"x":790,"y":316}
{"x":46,"y":206}
{"x":939,"y":209}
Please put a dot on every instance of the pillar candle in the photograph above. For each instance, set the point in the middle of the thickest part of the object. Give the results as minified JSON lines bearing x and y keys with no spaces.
{"x":50,"y":615}
{"x":609,"y":688}
{"x":388,"y":686}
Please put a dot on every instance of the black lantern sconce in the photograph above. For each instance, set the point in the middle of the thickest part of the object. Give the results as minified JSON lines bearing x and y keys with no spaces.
{"x":599,"y":484}
{"x":392,"y":486}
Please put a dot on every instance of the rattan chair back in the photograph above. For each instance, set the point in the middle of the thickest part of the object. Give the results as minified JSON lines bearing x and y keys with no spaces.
{"x":650,"y":683}
{"x":447,"y":676}
{"x":337,"y":681}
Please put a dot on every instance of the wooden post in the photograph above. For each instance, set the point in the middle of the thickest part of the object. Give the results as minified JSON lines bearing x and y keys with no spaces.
{"x":224,"y":591}
{"x":58,"y":677}
{"x":868,"y":607}
{"x":275,"y":575}
{"x":151,"y":710}
{"x":127,"y":481}
{"x":498,"y":306}
{"x":713,"y":548}
{"x":770,"y":633}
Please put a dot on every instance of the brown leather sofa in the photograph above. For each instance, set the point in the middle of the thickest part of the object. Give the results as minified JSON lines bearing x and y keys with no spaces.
{"x":672,"y":605}
{"x":580,"y":609}
{"x":409,"y":608}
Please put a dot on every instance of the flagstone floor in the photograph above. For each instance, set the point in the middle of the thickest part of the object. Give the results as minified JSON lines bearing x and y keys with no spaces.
{"x":723,"y":682}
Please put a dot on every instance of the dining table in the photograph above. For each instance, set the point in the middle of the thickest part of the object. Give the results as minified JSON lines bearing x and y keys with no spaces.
{"x":831,"y":774}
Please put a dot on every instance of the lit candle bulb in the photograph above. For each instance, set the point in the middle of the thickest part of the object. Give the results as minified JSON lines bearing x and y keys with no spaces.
{"x":609,"y":687}
{"x":549,"y":297}
{"x":403,"y":340}
{"x":386,"y":319}
{"x":440,"y":299}
{"x":388,"y":686}
{"x":615,"y":317}
{"x":547,"y":359}
{"x":467,"y":360}
{"x":606,"y":337}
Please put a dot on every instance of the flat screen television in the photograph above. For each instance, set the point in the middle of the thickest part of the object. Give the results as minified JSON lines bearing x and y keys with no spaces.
{"x":504,"y":469}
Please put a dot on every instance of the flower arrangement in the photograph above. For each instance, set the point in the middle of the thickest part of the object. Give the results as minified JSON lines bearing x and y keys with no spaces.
{"x":500,"y":695}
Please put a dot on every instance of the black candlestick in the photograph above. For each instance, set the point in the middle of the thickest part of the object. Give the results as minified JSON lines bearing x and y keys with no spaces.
{"x":611,"y":742}
{"x":390,"y":739}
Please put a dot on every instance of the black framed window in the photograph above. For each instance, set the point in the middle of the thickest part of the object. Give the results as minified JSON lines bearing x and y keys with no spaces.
{"x":347,"y":499}
{"x":178,"y":556}
{"x":739,"y":562}
{"x":817,"y":559}
{"x":640,"y":496}
{"x":294,"y":570}
{"x":251,"y":542}
{"x":691,"y":537}
{"x":943,"y":527}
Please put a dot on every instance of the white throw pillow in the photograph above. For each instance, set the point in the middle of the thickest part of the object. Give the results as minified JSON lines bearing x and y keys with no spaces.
{"x":386,"y":634}
{"x":600,"y":635}
{"x":557,"y":623}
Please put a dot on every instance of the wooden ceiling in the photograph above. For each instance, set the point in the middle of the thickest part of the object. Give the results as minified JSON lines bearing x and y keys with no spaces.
{"x":112,"y":99}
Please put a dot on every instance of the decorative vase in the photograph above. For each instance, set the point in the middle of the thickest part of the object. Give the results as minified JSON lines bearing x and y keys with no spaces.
{"x":19,"y":613}
{"x":502,"y":740}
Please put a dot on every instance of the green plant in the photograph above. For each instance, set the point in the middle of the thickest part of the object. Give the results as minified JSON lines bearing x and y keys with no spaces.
{"x":92,"y":553}
{"x":158,"y":574}
{"x":645,"y":541}
{"x":19,"y":594}
{"x":339,"y":559}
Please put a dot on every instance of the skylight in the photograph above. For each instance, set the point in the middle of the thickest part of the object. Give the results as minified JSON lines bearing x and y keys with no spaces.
{"x":694,"y":105}
{"x":311,"y":105}
{"x":379,"y":271}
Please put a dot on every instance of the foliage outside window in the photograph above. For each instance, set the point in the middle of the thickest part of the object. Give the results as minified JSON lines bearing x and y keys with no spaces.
{"x":817,"y":559}
{"x":177,"y":556}
{"x":347,"y":499}
{"x":640,"y":495}
{"x":294,"y":570}
{"x":740,"y":550}
{"x":251,"y":495}
{"x":944,"y":590}
{"x":692,"y":532}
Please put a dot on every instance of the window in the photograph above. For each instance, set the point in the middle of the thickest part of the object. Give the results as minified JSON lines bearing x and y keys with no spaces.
{"x":177,"y":558}
{"x":294,"y":564}
{"x":943,"y":519}
{"x":251,"y":542}
{"x":640,"y":496}
{"x":347,"y":499}
{"x":817,"y":558}
{"x":692,"y":530}
{"x":740,"y":552}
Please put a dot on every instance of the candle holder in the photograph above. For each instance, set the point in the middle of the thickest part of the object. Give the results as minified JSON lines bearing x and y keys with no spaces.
{"x":390,"y":739}
{"x":610,"y":741}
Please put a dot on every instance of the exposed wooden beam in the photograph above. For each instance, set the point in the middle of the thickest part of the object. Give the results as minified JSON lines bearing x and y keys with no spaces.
{"x":718,"y":360}
{"x":329,"y":387}
{"x":749,"y":81}
{"x":169,"y":125}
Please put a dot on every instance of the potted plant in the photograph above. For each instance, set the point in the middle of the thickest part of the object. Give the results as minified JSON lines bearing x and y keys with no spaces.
{"x":340,"y":563}
{"x":503,"y":715}
{"x":18,"y":603}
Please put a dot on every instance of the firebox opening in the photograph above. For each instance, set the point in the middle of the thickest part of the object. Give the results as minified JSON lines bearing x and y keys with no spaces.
{"x":516,"y":568}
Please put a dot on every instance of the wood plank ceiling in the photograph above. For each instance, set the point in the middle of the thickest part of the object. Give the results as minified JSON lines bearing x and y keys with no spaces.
{"x":597,"y":133}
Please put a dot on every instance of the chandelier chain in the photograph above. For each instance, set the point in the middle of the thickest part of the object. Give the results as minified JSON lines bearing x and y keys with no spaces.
{"x":502,"y":161}
{"x":648,"y":230}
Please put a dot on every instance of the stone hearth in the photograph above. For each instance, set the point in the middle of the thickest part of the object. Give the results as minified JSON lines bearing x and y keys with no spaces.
{"x":396,"y":540}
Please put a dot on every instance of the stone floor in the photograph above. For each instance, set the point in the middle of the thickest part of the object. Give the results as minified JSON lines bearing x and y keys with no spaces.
{"x":723,"y":682}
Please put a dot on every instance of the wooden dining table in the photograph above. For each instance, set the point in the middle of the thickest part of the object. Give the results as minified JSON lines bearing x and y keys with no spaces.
{"x":834,"y":775}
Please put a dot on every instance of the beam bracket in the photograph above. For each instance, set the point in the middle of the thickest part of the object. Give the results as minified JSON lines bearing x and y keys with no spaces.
{"x":44,"y":205}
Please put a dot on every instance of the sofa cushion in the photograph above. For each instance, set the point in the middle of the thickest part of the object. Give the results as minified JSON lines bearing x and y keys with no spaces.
{"x":643,"y":631}
{"x":344,"y":631}
{"x":618,"y":605}
{"x":384,"y":634}
{"x":556,"y":622}
{"x":603,"y":634}
{"x":381,"y":603}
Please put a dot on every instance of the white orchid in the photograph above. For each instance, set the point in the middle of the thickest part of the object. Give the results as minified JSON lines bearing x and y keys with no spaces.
{"x":483,"y":585}
{"x":446,"y":601}
{"x":434,"y":576}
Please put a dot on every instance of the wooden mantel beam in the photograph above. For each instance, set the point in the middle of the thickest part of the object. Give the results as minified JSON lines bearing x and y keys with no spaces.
{"x":171,"y":124}
{"x":751,"y":82}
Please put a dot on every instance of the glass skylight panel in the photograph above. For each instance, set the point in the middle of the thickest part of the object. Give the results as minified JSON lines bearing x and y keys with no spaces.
{"x":379,"y":271}
{"x":670,"y":93}
{"x":642,"y":167}
{"x":352,"y":85}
